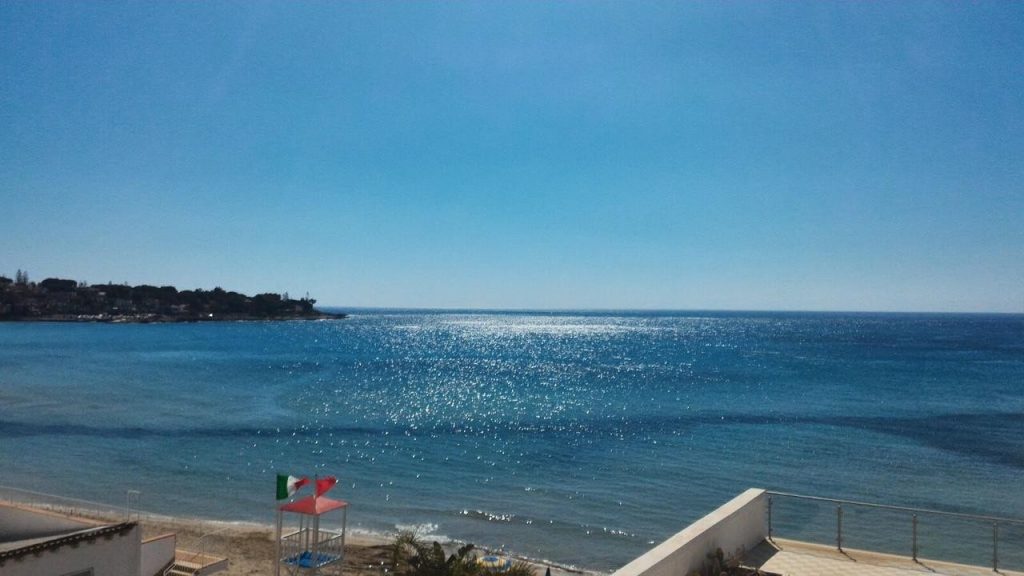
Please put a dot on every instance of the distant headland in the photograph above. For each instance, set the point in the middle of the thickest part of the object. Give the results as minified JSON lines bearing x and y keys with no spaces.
{"x":60,"y":300}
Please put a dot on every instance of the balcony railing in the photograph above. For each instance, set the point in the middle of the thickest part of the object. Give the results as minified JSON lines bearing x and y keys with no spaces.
{"x":942,"y":536}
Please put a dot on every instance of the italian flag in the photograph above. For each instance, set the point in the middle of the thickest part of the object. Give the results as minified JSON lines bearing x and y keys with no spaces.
{"x":287,"y":485}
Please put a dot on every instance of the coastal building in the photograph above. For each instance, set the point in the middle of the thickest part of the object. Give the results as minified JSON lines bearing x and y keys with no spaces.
{"x":739,"y":538}
{"x":37,"y":542}
{"x":42,"y":542}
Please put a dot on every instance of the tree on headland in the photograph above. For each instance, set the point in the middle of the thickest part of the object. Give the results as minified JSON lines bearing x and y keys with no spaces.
{"x":63,"y":299}
{"x":58,"y":285}
{"x":114,"y":290}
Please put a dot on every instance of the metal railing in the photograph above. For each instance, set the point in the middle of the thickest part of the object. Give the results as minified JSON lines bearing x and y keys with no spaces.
{"x":198,"y":548}
{"x":78,"y":507}
{"x":996,"y":521}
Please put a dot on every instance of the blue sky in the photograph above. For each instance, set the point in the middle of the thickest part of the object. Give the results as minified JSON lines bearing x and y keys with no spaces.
{"x":807,"y":156}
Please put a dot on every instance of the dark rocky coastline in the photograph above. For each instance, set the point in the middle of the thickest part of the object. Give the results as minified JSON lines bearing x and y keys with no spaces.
{"x":61,"y":300}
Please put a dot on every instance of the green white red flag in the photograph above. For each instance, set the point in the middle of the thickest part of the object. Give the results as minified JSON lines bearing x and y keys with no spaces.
{"x":287,"y":485}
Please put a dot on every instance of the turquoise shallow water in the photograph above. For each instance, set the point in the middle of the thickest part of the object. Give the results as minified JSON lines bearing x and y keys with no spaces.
{"x":576,"y":437}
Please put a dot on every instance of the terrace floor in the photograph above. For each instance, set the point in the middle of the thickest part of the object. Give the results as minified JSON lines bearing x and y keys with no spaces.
{"x":794,"y":558}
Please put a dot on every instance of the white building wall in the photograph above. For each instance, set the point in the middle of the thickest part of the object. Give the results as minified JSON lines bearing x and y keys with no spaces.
{"x":738,"y":525}
{"x":157,"y":553}
{"x":117,"y":556}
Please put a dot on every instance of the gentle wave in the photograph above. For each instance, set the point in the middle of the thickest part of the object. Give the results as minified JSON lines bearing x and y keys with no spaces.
{"x":577,"y":437}
{"x":994,"y":437}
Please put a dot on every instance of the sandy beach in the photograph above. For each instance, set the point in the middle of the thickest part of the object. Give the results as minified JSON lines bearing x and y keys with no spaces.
{"x":249,"y":547}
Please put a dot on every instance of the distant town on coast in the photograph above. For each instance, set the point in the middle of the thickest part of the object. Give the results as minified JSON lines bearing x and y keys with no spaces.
{"x":61,"y":300}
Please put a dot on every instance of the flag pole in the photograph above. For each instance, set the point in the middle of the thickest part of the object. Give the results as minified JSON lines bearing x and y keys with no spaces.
{"x":316,"y":517}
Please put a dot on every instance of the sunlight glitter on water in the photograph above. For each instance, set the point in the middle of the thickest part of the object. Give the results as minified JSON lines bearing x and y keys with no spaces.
{"x":563,"y":436}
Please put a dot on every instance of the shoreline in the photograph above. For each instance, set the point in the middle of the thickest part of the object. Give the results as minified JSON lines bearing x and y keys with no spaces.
{"x":249,"y":546}
{"x":365,"y":552}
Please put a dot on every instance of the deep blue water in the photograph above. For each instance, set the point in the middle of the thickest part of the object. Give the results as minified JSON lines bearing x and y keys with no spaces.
{"x":577,"y":437}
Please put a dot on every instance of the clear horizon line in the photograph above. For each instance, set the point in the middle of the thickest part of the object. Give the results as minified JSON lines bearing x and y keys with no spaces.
{"x":663,"y":310}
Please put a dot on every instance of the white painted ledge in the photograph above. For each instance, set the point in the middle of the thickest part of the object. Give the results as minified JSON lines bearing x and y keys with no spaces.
{"x":739,"y":524}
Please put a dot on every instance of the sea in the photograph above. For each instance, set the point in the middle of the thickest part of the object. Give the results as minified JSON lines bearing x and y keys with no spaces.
{"x":579,"y":438}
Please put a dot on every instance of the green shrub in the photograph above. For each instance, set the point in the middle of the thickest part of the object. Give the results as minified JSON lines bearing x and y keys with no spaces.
{"x":413,"y":557}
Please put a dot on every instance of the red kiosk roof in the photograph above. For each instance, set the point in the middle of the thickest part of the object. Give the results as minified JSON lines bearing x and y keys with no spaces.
{"x":313,"y":506}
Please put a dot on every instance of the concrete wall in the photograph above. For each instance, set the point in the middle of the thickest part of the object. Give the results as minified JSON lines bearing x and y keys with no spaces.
{"x":740,"y":523}
{"x":157,"y":553}
{"x":117,"y":555}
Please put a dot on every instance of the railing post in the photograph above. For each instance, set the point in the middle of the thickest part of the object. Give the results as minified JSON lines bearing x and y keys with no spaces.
{"x":995,"y":547}
{"x":130,"y":497}
{"x":839,"y":527}
{"x":914,"y":546}
{"x":770,"y":518}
